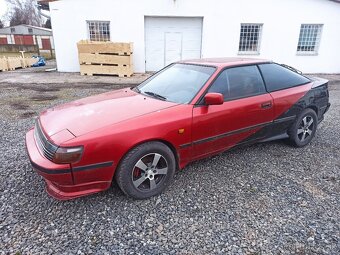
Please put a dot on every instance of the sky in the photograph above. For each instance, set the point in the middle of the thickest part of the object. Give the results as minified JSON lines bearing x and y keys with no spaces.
{"x":3,"y":7}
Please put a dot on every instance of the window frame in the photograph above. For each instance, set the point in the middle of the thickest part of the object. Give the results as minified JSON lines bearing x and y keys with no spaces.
{"x":247,"y":52}
{"x":315,"y":52}
{"x":200,"y":101}
{"x":30,"y":31}
{"x":12,"y":30}
{"x":88,"y":22}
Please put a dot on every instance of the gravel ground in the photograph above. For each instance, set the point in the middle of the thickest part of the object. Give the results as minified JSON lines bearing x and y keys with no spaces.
{"x":265,"y":199}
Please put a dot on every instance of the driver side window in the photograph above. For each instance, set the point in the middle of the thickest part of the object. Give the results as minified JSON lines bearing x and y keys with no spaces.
{"x":239,"y":82}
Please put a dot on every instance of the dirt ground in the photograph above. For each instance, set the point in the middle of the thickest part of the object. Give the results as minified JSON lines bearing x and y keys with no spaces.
{"x":41,"y":75}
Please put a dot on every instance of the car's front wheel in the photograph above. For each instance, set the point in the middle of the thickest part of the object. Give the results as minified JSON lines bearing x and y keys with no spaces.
{"x":304,"y":128}
{"x":146,"y":170}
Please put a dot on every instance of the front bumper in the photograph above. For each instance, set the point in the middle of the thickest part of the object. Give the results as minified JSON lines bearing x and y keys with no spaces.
{"x":59,"y":178}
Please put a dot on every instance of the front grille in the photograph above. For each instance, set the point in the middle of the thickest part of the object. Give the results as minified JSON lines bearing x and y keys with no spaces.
{"x":47,"y":148}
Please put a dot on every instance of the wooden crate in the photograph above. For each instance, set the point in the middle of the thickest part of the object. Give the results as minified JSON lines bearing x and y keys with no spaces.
{"x":23,"y":63}
{"x":106,"y":58}
{"x":113,"y":48}
{"x":14,"y":63}
{"x":121,"y":71}
{"x":28,"y":62}
{"x":3,"y":64}
{"x":88,"y":58}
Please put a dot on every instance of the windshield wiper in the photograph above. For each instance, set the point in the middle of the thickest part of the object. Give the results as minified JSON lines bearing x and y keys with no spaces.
{"x":153,"y":94}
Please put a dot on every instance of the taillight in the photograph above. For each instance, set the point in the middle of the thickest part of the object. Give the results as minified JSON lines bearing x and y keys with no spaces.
{"x":67,"y":155}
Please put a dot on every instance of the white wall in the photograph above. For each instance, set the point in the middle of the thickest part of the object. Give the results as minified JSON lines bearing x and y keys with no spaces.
{"x":221,"y":27}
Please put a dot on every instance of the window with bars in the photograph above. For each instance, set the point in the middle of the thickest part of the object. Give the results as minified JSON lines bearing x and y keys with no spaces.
{"x":99,"y":30}
{"x":309,"y":39}
{"x":250,"y":36}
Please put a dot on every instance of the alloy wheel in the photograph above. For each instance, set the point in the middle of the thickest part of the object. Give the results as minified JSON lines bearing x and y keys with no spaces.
{"x":306,"y":127}
{"x":149,"y":172}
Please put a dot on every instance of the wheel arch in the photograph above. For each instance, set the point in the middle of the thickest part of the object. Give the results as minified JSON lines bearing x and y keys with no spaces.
{"x":314,"y":108}
{"x":165,"y":142}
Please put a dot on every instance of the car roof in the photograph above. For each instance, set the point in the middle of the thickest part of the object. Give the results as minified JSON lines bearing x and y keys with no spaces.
{"x":224,"y":62}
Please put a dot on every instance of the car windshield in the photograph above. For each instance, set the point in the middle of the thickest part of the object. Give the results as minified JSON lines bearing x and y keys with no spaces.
{"x":177,"y":83}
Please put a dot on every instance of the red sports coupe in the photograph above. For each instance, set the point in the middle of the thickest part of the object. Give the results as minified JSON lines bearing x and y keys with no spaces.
{"x":187,"y":111}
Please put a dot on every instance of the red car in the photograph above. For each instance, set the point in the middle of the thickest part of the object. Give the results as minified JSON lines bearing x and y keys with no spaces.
{"x":187,"y":111}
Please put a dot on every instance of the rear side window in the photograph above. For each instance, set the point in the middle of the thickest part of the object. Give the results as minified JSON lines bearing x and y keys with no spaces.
{"x":239,"y":82}
{"x":278,"y":77}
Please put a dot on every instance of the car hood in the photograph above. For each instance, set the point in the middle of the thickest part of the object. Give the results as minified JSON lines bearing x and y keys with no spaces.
{"x":91,"y":113}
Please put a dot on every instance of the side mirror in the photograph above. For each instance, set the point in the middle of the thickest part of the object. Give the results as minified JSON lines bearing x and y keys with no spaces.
{"x":213,"y":99}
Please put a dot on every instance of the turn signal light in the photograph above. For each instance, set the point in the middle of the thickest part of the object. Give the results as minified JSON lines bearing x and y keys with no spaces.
{"x":67,"y":155}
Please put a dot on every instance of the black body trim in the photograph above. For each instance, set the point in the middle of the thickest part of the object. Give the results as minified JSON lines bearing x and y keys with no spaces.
{"x":185,"y":145}
{"x":212,"y":138}
{"x":285,"y":119}
{"x":93,"y":166}
{"x":49,"y":171}
{"x":241,"y":130}
{"x":75,"y":169}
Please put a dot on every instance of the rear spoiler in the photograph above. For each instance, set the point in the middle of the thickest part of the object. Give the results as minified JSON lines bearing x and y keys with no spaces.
{"x":317,"y":81}
{"x":291,"y":68}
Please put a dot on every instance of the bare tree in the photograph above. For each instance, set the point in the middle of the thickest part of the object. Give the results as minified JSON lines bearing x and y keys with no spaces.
{"x":23,"y":12}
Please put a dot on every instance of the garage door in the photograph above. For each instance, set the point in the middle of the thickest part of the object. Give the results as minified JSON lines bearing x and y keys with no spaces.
{"x":171,"y":39}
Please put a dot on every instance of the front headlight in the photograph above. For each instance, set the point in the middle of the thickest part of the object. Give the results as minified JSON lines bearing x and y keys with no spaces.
{"x":67,"y":155}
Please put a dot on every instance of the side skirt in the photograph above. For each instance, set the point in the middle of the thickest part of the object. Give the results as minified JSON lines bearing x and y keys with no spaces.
{"x":273,"y":138}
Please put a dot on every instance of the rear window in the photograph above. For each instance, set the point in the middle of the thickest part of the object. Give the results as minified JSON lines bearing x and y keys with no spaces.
{"x":278,"y":77}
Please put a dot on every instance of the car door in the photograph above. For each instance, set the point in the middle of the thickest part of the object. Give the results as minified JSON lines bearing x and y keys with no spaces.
{"x":246,"y":109}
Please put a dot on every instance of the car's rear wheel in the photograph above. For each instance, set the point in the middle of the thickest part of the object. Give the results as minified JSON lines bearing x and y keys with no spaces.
{"x":146,"y":170}
{"x":304,"y":128}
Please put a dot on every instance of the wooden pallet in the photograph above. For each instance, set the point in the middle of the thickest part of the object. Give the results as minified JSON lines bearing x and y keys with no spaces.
{"x":14,"y":63}
{"x":3,"y":64}
{"x":112,"y":48}
{"x":89,"y":58}
{"x":24,"y":64}
{"x":28,"y":62}
{"x":116,"y":70}
{"x":105,"y":58}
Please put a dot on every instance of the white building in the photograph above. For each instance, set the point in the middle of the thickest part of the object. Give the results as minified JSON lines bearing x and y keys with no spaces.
{"x":301,"y":33}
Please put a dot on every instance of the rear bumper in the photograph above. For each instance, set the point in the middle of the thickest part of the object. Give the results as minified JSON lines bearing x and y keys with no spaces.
{"x":327,"y":108}
{"x":322,"y":112}
{"x":59,"y":178}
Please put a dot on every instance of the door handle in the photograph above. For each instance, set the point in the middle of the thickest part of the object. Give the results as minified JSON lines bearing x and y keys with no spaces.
{"x":266,"y":105}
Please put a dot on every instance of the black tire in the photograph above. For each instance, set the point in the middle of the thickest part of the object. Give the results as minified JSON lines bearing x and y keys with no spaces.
{"x":304,"y":128}
{"x":146,"y":179}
